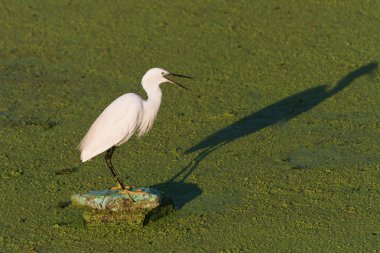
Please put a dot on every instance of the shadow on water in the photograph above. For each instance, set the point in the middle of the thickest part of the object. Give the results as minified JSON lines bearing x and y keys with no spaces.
{"x":284,"y":109}
{"x":179,"y":191}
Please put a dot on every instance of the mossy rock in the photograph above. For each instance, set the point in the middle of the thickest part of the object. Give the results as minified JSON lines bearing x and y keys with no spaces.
{"x":116,"y":206}
{"x":139,"y":217}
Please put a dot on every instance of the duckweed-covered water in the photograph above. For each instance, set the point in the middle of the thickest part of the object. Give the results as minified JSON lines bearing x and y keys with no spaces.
{"x":274,"y":149}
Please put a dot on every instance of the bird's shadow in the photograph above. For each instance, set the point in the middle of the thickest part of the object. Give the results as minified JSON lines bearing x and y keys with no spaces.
{"x":179,"y":191}
{"x":283,"y":110}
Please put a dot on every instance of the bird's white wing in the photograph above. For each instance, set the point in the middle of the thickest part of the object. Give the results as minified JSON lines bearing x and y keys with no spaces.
{"x":116,"y":124}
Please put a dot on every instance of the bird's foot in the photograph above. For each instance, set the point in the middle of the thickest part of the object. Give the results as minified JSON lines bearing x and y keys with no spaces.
{"x":134,"y":192}
{"x":128,"y":193}
{"x":118,"y":187}
{"x":128,"y":190}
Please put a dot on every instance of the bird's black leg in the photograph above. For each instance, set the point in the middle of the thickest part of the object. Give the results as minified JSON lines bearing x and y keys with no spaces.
{"x":108,"y":158}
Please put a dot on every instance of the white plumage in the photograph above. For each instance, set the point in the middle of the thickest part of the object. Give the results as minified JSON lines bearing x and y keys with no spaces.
{"x":117,"y":123}
{"x":126,"y":115}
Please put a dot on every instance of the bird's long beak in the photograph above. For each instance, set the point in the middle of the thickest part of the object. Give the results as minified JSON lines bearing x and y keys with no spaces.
{"x":170,"y":78}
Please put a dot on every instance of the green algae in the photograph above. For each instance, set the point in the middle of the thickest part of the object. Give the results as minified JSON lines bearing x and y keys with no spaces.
{"x":305,"y":183}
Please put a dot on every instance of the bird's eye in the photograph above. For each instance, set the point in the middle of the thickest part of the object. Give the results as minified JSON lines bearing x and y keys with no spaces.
{"x":163,"y":73}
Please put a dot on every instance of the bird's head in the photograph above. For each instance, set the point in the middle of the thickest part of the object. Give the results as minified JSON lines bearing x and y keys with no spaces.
{"x":155,"y":76}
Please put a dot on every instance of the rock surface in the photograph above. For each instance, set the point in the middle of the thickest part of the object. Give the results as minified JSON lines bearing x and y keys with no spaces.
{"x":116,"y":206}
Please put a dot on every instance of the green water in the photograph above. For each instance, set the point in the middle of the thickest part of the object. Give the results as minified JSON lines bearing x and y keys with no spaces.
{"x":259,"y":156}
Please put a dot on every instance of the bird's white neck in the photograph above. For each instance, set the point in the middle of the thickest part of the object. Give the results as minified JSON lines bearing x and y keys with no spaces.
{"x":151,"y":106}
{"x":154,"y":97}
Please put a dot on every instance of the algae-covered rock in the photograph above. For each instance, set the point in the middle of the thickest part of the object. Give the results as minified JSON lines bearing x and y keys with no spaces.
{"x":116,"y":206}
{"x":117,"y":200}
{"x":138,"y":217}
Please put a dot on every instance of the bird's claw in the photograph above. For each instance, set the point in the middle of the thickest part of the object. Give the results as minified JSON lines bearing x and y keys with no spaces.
{"x":127,"y":192}
{"x":118,"y":187}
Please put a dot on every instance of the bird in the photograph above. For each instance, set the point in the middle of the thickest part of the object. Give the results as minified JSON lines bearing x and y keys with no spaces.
{"x":127,"y":115}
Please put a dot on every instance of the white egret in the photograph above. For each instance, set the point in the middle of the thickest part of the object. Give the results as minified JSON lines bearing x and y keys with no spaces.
{"x":123,"y":117}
